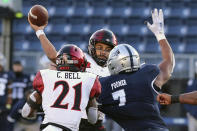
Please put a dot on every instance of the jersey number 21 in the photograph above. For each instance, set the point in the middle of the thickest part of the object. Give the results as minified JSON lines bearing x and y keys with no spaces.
{"x":65,"y":90}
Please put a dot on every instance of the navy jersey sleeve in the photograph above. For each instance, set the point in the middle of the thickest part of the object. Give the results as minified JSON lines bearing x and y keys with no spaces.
{"x":151,"y":72}
{"x":99,"y":99}
{"x":105,"y":96}
{"x":15,"y":112}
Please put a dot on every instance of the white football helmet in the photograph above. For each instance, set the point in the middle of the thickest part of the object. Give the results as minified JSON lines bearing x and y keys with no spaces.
{"x":123,"y":58}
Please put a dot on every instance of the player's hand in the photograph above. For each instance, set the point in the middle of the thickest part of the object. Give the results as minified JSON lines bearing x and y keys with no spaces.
{"x":35,"y":27}
{"x":101,"y":115}
{"x":164,"y":99}
{"x":158,"y":24}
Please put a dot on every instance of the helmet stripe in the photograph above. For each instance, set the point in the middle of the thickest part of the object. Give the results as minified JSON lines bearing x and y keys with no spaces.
{"x":130,"y":54}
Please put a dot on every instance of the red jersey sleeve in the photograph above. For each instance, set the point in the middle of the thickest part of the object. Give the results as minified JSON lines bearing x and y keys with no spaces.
{"x":38,"y":84}
{"x":96,"y":89}
{"x":88,"y":65}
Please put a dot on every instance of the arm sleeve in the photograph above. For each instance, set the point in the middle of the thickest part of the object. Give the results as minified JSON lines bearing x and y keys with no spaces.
{"x":96,"y":89}
{"x":38,"y":84}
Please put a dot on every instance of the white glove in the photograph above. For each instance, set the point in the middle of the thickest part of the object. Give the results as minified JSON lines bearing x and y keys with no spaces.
{"x":158,"y":24}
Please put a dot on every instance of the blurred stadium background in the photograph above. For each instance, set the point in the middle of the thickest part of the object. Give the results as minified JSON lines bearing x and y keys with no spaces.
{"x":73,"y":21}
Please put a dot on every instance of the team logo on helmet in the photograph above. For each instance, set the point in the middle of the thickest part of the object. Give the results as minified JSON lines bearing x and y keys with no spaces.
{"x":71,"y":58}
{"x":123,"y":58}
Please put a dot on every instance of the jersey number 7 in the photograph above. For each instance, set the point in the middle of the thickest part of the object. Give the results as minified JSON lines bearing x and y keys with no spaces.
{"x":120,"y":95}
{"x":65,"y":90}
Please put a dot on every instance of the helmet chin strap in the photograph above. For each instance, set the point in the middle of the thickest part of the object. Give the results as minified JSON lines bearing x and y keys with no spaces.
{"x":101,"y":62}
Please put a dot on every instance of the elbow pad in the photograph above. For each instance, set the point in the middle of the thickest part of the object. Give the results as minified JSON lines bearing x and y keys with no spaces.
{"x":92,"y":115}
{"x":26,"y":110}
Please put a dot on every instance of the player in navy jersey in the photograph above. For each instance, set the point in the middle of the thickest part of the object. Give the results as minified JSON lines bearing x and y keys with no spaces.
{"x":5,"y":93}
{"x":20,"y":82}
{"x":129,"y":95}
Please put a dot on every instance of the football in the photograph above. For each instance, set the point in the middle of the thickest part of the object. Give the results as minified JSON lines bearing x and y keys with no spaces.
{"x":38,"y":15}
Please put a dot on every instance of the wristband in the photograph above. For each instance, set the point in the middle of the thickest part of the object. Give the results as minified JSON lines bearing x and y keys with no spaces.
{"x":160,"y":37}
{"x":39,"y":32}
{"x":175,"y":99}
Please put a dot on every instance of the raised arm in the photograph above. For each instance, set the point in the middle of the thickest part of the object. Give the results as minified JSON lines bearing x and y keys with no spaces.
{"x":47,"y":46}
{"x":167,"y":64}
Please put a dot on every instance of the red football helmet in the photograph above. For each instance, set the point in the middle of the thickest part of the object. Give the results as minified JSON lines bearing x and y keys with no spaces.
{"x":101,"y":36}
{"x":71,"y":58}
